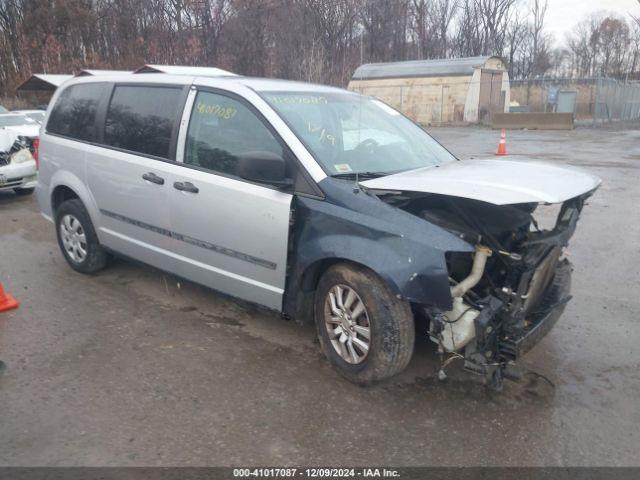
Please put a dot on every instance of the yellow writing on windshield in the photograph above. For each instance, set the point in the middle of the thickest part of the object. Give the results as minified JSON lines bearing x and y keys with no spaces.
{"x":298,"y":99}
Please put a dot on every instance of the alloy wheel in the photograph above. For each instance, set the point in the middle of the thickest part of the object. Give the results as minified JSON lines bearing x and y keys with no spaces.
{"x":73,"y":238}
{"x":347,"y":323}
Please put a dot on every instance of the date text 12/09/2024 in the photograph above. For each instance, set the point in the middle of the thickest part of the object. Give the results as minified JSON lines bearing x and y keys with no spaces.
{"x":315,"y":473}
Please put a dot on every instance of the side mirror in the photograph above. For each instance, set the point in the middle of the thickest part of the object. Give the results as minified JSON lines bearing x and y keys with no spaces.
{"x":263,"y":167}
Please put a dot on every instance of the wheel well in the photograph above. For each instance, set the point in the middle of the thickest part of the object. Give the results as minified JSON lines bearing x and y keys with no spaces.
{"x":304,"y":297}
{"x":309,"y":283}
{"x":312,"y":274}
{"x":61,"y":193}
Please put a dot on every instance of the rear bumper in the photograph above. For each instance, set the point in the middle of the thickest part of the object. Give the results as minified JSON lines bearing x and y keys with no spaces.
{"x":21,"y":175}
{"x":544,"y":317}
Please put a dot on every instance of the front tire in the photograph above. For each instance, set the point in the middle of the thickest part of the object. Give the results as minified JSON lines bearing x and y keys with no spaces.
{"x":77,"y":238}
{"x":366,"y":332}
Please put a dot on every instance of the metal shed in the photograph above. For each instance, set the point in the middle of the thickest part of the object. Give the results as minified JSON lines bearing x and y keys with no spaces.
{"x":40,"y":82}
{"x":440,"y":91}
{"x":39,"y":88}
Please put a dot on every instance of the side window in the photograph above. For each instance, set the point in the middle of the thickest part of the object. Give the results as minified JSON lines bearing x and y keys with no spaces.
{"x":74,"y":113}
{"x":221,"y":129}
{"x":141,"y":119}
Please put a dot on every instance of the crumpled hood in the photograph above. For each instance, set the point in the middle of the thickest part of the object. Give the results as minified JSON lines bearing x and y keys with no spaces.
{"x":30,"y":131}
{"x":501,"y":182}
{"x":7,"y":139}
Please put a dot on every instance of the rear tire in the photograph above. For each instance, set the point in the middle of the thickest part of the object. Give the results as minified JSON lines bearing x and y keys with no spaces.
{"x":23,"y":191}
{"x":77,"y":238}
{"x":388,"y":319}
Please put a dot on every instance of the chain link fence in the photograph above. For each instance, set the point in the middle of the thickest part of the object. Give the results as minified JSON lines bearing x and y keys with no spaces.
{"x":591,"y":100}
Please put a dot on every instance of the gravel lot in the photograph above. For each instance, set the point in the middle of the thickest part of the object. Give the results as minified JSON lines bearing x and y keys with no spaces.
{"x":131,"y":367}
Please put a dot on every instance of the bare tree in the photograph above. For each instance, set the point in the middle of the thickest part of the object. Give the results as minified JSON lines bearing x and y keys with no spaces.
{"x":604,"y":46}
{"x":635,"y":40}
{"x":211,"y":16}
{"x":431,"y":21}
{"x":493,"y":16}
{"x":385,"y":29}
{"x":482,"y":27}
{"x":539,"y":53}
{"x":467,"y":40}
{"x":333,"y":23}
{"x":614,"y":37}
{"x":515,"y":38}
{"x":316,"y":40}
{"x":420,"y":28}
{"x":584,"y":44}
{"x":636,"y":18}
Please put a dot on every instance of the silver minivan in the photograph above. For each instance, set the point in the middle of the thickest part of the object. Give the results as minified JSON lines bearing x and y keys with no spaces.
{"x":317,"y":202}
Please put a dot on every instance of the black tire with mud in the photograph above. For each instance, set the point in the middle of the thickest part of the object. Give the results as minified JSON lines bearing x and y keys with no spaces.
{"x":391,"y":323}
{"x":97,"y":257}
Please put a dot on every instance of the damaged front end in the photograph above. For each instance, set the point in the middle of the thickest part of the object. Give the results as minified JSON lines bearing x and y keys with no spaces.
{"x":508,"y":293}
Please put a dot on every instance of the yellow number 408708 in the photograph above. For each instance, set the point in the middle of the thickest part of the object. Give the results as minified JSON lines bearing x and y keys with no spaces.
{"x":216,"y":110}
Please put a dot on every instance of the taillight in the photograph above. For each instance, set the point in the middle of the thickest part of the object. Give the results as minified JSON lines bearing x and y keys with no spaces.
{"x":36,"y":151}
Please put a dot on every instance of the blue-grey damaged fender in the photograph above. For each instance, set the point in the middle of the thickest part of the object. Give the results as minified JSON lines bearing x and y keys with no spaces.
{"x":406,"y":251}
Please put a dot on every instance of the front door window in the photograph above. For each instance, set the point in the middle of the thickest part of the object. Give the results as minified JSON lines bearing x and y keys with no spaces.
{"x":221,"y":130}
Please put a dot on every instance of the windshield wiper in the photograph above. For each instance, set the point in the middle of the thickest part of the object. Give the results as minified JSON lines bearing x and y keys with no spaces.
{"x":350,"y":175}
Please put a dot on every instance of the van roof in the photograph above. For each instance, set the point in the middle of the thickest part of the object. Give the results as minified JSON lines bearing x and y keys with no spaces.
{"x":185,"y":70}
{"x":257,"y":84}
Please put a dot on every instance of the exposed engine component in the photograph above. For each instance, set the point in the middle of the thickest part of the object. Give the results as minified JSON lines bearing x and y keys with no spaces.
{"x":477,"y":270}
{"x":458,"y":327}
{"x":13,"y":148}
{"x":510,"y":291}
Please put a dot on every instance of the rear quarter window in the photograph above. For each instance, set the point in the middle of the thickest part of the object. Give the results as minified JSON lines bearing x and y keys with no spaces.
{"x":74,"y":113}
{"x":141,"y":119}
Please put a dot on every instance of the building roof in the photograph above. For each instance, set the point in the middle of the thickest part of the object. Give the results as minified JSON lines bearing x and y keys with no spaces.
{"x":43,"y":82}
{"x":185,"y":70}
{"x":444,"y":67}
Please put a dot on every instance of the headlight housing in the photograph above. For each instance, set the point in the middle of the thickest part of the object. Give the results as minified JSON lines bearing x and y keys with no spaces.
{"x":21,"y":156}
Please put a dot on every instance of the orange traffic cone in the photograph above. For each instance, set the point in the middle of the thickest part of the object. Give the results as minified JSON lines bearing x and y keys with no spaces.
{"x":7,"y":302}
{"x":502,"y":146}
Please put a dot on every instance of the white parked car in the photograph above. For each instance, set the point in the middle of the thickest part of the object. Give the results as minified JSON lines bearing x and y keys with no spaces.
{"x":18,"y":167}
{"x":20,"y":124}
{"x":26,"y":128}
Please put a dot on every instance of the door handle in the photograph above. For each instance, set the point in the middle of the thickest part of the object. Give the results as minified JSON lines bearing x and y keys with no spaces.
{"x":186,"y":187}
{"x":153,"y":178}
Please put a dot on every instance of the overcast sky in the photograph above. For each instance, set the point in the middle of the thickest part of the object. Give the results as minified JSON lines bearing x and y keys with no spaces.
{"x":562,"y":15}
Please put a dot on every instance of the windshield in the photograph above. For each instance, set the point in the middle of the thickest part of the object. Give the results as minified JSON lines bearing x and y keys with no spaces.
{"x":15,"y":121}
{"x":349,"y":133}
